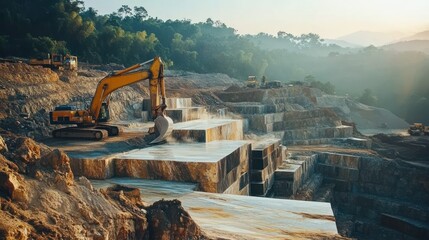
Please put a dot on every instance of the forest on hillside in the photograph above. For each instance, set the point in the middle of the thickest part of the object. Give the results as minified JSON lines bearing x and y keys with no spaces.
{"x":398,"y":81}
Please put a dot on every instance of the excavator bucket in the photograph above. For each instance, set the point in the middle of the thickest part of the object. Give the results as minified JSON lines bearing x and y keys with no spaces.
{"x":164,"y":126}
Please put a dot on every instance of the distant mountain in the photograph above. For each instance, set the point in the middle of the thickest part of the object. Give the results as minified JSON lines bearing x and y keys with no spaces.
{"x":341,"y":43}
{"x":413,"y":45}
{"x":418,"y":36}
{"x":366,"y":38}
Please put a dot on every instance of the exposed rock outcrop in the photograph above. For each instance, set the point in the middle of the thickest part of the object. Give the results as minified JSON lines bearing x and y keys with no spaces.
{"x":40,"y":199}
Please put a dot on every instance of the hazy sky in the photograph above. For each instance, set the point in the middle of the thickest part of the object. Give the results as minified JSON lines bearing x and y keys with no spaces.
{"x":328,"y":18}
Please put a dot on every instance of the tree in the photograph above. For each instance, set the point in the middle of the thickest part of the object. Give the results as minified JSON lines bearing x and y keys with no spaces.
{"x":140,"y":13}
{"x":124,"y":11}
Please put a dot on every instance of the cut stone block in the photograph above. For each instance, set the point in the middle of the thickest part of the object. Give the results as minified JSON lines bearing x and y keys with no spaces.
{"x":264,"y":148}
{"x":209,"y":130}
{"x":185,"y":114}
{"x":287,"y":179}
{"x":266,"y":157}
{"x":215,"y":166}
{"x":249,"y":95}
{"x":288,"y":172}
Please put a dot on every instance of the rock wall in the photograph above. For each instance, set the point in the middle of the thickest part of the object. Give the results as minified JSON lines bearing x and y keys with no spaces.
{"x":382,"y":198}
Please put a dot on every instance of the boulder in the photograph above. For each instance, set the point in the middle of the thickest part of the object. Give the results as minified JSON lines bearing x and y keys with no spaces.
{"x":60,"y":163}
{"x":11,"y":185}
{"x":24,"y":149}
{"x":3,"y":146}
{"x":168,"y":220}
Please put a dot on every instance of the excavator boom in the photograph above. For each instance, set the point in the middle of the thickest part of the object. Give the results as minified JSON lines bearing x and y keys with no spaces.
{"x":98,"y":110}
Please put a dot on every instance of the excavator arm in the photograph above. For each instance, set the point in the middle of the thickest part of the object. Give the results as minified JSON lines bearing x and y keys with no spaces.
{"x":127,"y":77}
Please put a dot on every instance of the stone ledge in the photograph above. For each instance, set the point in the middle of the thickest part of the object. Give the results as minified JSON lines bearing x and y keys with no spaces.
{"x":209,"y":130}
{"x":339,"y":159}
{"x":337,"y":172}
{"x":215,"y":166}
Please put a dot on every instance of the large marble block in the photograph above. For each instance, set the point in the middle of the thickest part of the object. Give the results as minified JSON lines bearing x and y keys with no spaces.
{"x":216,"y":166}
{"x":229,"y":216}
{"x":209,"y":130}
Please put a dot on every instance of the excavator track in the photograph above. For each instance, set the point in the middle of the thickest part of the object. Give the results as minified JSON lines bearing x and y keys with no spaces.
{"x":111,"y":129}
{"x":81,"y":133}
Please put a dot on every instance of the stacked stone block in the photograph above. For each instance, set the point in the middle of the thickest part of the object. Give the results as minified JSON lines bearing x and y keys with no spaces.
{"x":292,"y":174}
{"x":289,"y":113}
{"x":266,"y":157}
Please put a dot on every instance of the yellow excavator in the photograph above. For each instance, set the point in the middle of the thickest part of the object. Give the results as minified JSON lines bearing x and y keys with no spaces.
{"x":91,"y":122}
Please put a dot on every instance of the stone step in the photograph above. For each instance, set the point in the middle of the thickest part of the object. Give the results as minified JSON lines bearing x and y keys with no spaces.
{"x":172,"y":103}
{"x":246,"y":95}
{"x":355,"y":142}
{"x":265,"y":158}
{"x":338,"y":172}
{"x":250,"y":108}
{"x":319,"y":122}
{"x":219,"y":166}
{"x":318,"y":132}
{"x":339,"y":159}
{"x":293,"y":173}
{"x":407,"y":226}
{"x":209,"y":130}
{"x":261,"y":189}
{"x":287,"y":179}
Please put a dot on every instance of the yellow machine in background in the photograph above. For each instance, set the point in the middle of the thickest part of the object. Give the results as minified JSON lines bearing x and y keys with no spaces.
{"x":90,"y":121}
{"x":56,"y":61}
{"x":252,"y":82}
{"x":418,"y":129}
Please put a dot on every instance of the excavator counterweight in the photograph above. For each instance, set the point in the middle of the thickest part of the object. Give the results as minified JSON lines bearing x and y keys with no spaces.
{"x":92,"y":122}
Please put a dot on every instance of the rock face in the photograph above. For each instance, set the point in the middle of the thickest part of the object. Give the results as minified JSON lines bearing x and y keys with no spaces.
{"x":39,"y":199}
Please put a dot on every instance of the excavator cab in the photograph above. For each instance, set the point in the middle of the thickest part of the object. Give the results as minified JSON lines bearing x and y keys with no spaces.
{"x":104,"y":115}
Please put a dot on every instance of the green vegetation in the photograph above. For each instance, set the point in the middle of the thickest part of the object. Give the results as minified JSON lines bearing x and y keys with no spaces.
{"x":400,"y":81}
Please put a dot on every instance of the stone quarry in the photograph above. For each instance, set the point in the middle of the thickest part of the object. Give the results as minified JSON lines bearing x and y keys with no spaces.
{"x":286,"y":163}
